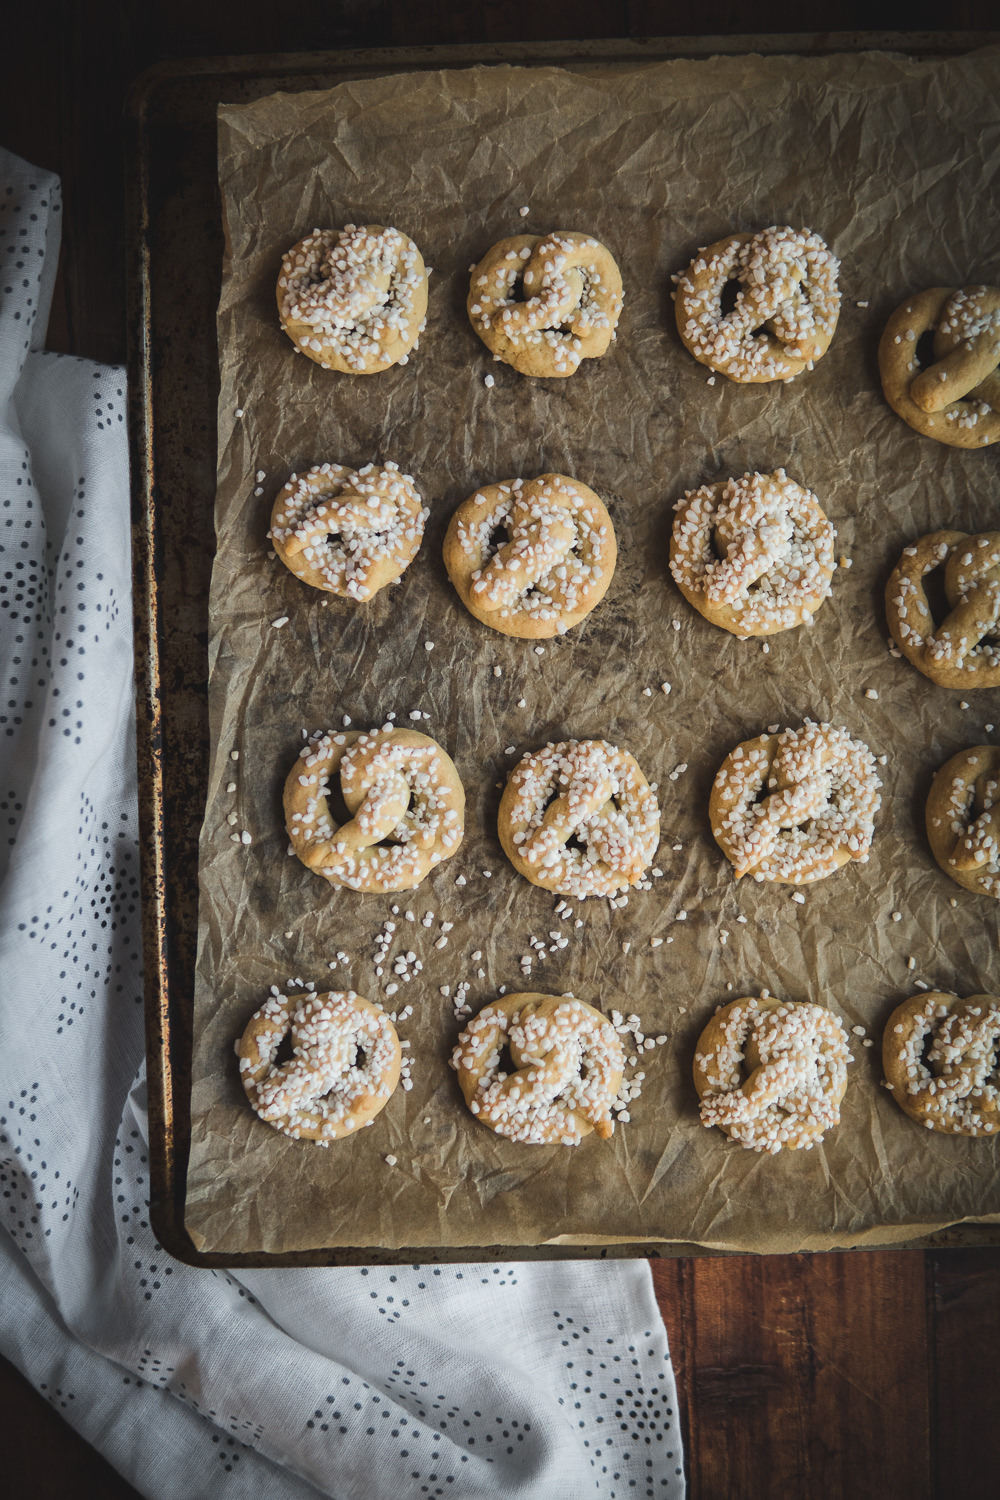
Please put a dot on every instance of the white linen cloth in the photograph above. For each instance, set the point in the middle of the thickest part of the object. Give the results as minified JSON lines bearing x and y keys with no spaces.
{"x":543,"y":1380}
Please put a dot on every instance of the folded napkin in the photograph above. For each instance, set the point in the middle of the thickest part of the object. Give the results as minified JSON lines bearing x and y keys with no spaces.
{"x":511,"y":1380}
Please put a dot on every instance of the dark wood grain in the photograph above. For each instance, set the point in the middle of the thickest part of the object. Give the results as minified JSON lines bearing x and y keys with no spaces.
{"x":44,"y":1459}
{"x":964,"y":1333}
{"x":791,"y":17}
{"x":437,"y":21}
{"x":802,"y":1374}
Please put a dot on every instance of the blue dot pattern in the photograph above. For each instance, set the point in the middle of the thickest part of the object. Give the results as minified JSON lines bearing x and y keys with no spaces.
{"x":542,"y":1380}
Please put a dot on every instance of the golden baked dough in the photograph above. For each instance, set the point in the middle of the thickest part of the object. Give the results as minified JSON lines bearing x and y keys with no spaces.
{"x":354,"y":299}
{"x":531,"y":558}
{"x":963,"y":819}
{"x":405,"y":803}
{"x":566,"y":1069}
{"x":753,"y":555}
{"x":347,"y":531}
{"x":941,"y":1057}
{"x":772,"y":1073}
{"x":579,"y":818}
{"x":793,"y":807}
{"x":963,"y":651}
{"x":956,"y":397}
{"x":785,"y":310}
{"x":344,"y":1066}
{"x":544,"y":303}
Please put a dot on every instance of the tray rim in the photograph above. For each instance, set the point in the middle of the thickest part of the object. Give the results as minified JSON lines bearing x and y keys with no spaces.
{"x":167,"y":1033}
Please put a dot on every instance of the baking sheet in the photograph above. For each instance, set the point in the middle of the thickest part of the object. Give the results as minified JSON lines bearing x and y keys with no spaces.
{"x":875,"y":153}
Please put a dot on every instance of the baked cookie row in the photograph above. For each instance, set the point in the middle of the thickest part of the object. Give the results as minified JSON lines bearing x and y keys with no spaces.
{"x":540,"y":1069}
{"x":772,"y":1074}
{"x":355,"y":300}
{"x":532,"y":558}
{"x":549,"y":1069}
{"x":579,"y":818}
{"x":754,"y":307}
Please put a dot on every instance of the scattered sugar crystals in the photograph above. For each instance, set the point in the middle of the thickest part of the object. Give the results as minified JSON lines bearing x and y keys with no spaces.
{"x":635,"y":1043}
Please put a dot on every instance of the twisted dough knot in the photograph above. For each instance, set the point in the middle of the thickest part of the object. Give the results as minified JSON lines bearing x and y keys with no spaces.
{"x":772,"y":1073}
{"x":793,"y":807}
{"x":569,"y":308}
{"x":531,"y":558}
{"x":344,"y":1066}
{"x":579,"y":818}
{"x":956,"y":397}
{"x":347,"y":531}
{"x":941,"y":1057}
{"x":753,"y":555}
{"x":566,"y":1069}
{"x":355,"y":299}
{"x":963,"y":651}
{"x":785,"y":311}
{"x":963,"y":819}
{"x":405,"y":803}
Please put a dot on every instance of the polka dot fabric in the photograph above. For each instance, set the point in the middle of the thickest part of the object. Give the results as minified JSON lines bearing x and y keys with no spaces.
{"x":499,"y":1380}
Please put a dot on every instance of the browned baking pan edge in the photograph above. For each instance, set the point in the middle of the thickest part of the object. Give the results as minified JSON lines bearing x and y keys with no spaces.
{"x":174,"y":246}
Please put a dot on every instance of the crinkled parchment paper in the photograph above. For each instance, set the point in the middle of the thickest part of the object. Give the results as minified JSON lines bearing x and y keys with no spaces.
{"x":895,"y":163}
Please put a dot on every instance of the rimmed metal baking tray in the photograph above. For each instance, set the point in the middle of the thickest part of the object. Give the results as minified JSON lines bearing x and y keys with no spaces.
{"x":175,"y":247}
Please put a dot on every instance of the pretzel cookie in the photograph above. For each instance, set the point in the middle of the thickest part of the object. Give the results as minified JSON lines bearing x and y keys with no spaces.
{"x":405,"y":805}
{"x":579,"y":818}
{"x":963,"y":819}
{"x":963,"y":651}
{"x":772,"y":1073}
{"x":754,"y":555}
{"x":953,"y":396}
{"x":343,"y":1069}
{"x":785,"y":310}
{"x":941,"y":1057}
{"x":544,"y":303}
{"x":794,"y":807}
{"x":353,"y":299}
{"x":566,"y":1065}
{"x":347,"y":531}
{"x":531,"y":557}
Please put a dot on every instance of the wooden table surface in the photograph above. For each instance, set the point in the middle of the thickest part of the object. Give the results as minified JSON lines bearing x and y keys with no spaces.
{"x":865,"y":1374}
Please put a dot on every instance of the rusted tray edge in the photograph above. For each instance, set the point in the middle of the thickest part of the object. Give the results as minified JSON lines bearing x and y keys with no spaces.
{"x":156,"y":988}
{"x":553,"y":53}
{"x":167,"y":1015}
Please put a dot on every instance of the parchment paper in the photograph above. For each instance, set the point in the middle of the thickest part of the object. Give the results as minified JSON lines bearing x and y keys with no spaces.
{"x":894,"y":163}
